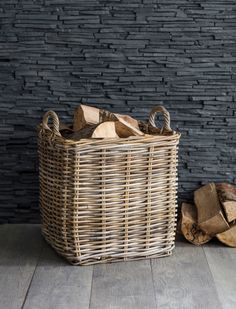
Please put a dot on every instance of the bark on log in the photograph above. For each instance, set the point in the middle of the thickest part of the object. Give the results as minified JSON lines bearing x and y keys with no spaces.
{"x":103,"y":130}
{"x":210,"y":216}
{"x":128,"y":119}
{"x":84,"y":116}
{"x":189,"y":226}
{"x":124,"y":129}
{"x":228,"y":237}
{"x":87,"y":115}
{"x":227,"y":196}
{"x":86,"y":132}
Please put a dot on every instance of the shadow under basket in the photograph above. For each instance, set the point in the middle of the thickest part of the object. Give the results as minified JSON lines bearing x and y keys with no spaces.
{"x":107,"y":200}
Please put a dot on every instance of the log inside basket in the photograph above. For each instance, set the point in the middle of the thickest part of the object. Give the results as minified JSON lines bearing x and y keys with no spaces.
{"x":84,"y":116}
{"x":103,"y":130}
{"x":124,"y":129}
{"x":87,"y":115}
{"x":107,"y":129}
{"x":210,"y":216}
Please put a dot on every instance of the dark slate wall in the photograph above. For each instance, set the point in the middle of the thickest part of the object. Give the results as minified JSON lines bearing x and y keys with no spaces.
{"x":124,"y":55}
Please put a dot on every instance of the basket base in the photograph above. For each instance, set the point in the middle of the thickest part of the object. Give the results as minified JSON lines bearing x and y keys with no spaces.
{"x":81,"y":261}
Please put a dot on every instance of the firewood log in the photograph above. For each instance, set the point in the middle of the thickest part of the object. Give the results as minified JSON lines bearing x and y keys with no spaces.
{"x":210,"y":216}
{"x":87,"y":115}
{"x":86,"y":132}
{"x":228,"y":237}
{"x":84,"y":116}
{"x":125,"y":119}
{"x":105,"y":129}
{"x":128,"y":120}
{"x":189,"y":226}
{"x":125,"y":129}
{"x":227,"y":196}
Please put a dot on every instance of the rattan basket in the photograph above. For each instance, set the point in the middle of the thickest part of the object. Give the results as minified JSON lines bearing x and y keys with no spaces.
{"x":107,"y":200}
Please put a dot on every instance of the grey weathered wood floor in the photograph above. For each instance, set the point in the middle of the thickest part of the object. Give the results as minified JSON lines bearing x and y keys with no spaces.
{"x":33,"y":276}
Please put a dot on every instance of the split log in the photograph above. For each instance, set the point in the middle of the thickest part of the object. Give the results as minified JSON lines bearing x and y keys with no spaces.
{"x":125,"y":129}
{"x":228,"y":237}
{"x":189,"y":226}
{"x":107,"y":129}
{"x":87,"y":115}
{"x":128,"y":120}
{"x":84,"y":116}
{"x":103,"y":130}
{"x":210,"y":216}
{"x":227,"y":196}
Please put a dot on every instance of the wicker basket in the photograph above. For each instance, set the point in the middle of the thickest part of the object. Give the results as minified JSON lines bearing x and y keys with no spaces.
{"x":107,"y":200}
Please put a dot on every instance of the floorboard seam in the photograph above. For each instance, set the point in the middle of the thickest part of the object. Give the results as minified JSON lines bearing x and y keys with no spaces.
{"x":212,"y":277}
{"x":91,"y":290}
{"x":36,"y":265}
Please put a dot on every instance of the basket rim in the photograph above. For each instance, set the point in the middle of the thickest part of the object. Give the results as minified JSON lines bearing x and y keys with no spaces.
{"x":149,"y":138}
{"x":151,"y":135}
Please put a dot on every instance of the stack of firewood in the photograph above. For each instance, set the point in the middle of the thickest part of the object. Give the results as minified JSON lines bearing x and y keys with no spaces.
{"x":91,"y":122}
{"x":213,"y":215}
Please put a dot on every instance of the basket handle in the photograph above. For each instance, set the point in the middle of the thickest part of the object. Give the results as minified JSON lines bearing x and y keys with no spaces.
{"x":55,"y":122}
{"x":152,"y":116}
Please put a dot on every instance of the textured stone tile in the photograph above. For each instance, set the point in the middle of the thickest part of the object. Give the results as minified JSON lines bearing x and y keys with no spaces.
{"x":126,"y":56}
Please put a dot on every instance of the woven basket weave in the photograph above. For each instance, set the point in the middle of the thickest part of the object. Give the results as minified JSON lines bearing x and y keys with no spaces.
{"x":106,"y":200}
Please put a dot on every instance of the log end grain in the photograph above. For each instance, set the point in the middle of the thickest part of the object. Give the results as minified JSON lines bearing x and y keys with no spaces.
{"x":210,"y":216}
{"x":189,"y":227}
{"x":228,"y":237}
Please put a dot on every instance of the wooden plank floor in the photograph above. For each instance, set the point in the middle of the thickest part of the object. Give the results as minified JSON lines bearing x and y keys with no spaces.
{"x":33,"y":276}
